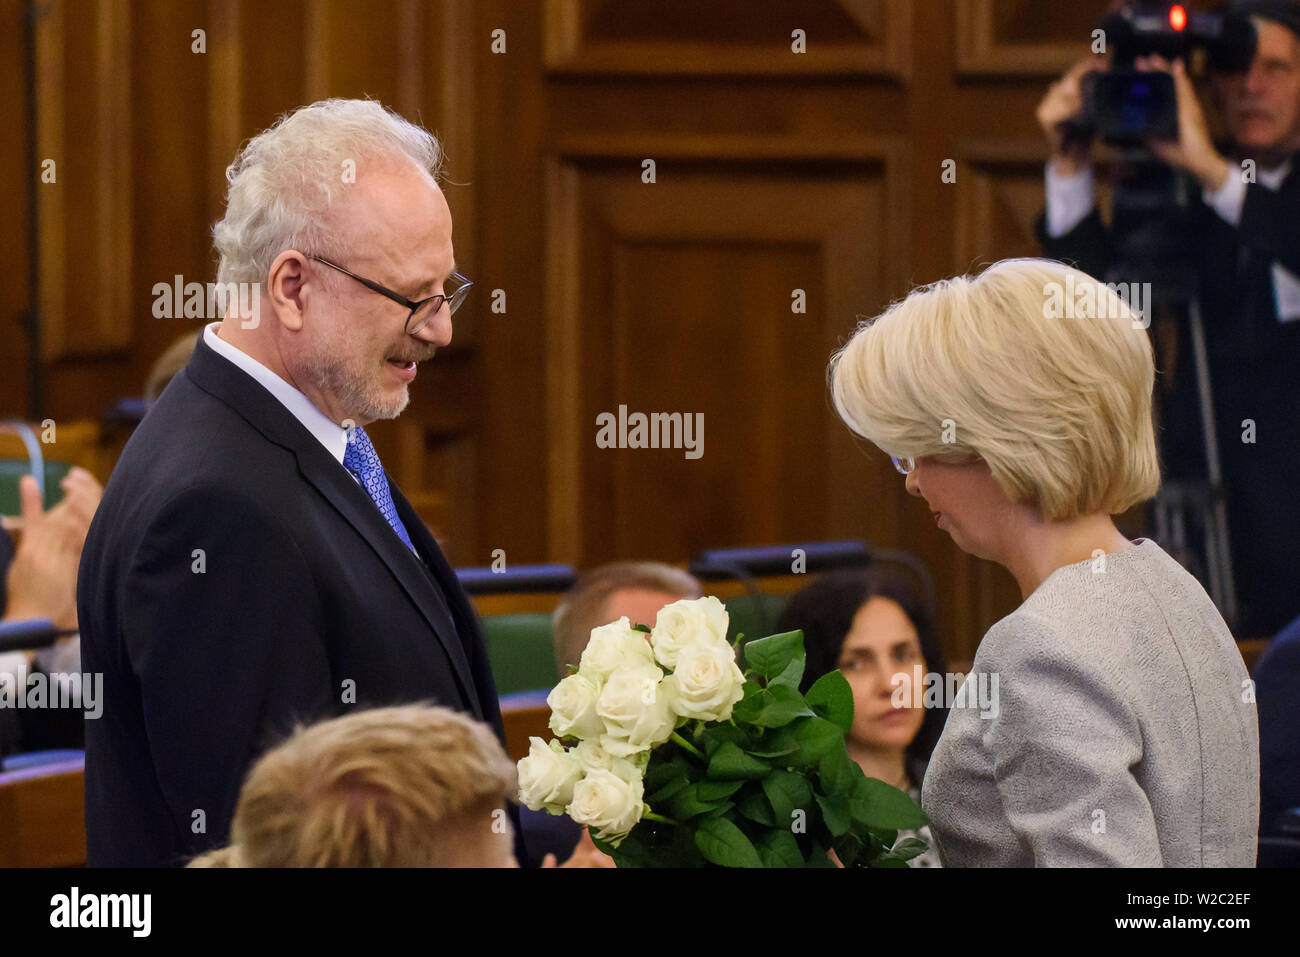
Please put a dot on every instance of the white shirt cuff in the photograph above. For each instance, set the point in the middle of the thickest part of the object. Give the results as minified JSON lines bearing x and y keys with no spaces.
{"x":1069,"y":199}
{"x":1229,"y":199}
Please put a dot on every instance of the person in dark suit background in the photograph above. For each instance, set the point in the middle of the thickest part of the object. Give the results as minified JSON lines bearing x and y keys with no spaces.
{"x":251,"y":566}
{"x":1243,"y":239}
{"x":1277,"y":682}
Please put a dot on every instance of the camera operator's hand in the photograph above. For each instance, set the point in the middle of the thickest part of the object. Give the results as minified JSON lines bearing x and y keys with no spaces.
{"x":1063,"y":103}
{"x":1193,"y":151}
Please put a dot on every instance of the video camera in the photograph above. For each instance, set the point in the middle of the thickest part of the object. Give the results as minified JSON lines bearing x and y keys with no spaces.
{"x":1126,"y":106}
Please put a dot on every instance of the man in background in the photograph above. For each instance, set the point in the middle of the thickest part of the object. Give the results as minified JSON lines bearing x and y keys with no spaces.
{"x":603,"y":594}
{"x":1243,"y":241}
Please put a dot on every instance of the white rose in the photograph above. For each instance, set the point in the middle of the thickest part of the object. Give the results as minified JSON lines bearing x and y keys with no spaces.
{"x":547,"y":776}
{"x":707,"y":682}
{"x":593,"y":757}
{"x":685,"y":623}
{"x":608,"y":804}
{"x":573,"y":708}
{"x":637,"y":713}
{"x":611,"y":647}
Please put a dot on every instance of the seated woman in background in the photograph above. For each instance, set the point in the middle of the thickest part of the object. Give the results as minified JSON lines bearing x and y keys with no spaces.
{"x":872,"y":624}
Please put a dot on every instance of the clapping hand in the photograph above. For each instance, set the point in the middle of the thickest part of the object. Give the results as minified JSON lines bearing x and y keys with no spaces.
{"x":43,"y":575}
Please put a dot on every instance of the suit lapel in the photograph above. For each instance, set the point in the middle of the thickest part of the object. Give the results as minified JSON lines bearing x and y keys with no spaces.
{"x":351,"y":501}
{"x":263,"y":412}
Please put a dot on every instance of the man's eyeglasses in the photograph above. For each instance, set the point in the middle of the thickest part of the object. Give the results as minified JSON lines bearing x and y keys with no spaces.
{"x":904,"y":465}
{"x":423,"y":311}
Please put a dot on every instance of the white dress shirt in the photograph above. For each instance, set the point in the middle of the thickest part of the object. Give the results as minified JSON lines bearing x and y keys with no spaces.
{"x":331,"y":435}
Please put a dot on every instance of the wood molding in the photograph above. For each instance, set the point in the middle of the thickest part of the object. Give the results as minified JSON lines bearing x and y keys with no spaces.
{"x":574,"y":158}
{"x":569,"y":52}
{"x":981,"y":53}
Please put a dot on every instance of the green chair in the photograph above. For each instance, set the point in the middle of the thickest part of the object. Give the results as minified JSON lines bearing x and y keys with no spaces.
{"x":520,"y":651}
{"x":11,"y":470}
{"x":753,"y":616}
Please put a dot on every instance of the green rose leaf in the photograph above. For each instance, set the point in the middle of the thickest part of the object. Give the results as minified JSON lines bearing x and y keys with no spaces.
{"x":778,"y":848}
{"x":748,"y":705}
{"x":756,"y":807}
{"x":646,"y":628}
{"x":836,"y":814}
{"x":812,"y":738}
{"x":775,"y":657}
{"x":722,"y":843}
{"x":672,"y":788}
{"x":687,"y":803}
{"x":662,"y":772}
{"x":880,"y":806}
{"x":787,"y":792}
{"x":729,"y":763}
{"x":831,"y":697}
{"x":718,"y":790}
{"x":719,"y":733}
{"x":778,"y":753}
{"x":837,"y":774}
{"x":775,"y":707}
{"x":884,"y":838}
{"x":849,"y":849}
{"x":818,"y":856}
{"x":907,"y":848}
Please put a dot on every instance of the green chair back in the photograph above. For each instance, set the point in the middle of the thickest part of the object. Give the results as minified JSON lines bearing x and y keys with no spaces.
{"x":11,"y":470}
{"x":520,"y":651}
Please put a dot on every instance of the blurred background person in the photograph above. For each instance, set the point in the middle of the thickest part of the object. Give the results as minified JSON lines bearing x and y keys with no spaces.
{"x":1242,"y":240}
{"x":602,"y":594}
{"x":41,"y":583}
{"x":408,"y":786}
{"x":609,"y":592}
{"x":1277,"y":694}
{"x":873,"y":625}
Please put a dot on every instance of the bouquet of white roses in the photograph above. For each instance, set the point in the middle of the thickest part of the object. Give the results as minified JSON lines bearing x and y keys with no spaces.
{"x":673,"y":756}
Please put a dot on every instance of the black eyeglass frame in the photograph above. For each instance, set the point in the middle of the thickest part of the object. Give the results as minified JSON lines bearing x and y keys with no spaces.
{"x":453,"y":300}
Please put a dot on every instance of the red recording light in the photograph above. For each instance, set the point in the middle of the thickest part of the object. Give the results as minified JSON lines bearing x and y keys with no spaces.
{"x":1177,"y":17}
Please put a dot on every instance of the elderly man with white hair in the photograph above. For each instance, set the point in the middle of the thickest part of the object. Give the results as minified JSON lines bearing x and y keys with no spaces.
{"x":252,"y":566}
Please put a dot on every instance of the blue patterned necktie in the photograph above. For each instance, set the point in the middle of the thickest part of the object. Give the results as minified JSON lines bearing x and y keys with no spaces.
{"x":361,"y":459}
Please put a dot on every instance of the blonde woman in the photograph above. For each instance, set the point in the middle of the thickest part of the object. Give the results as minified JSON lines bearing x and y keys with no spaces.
{"x":1018,"y":405}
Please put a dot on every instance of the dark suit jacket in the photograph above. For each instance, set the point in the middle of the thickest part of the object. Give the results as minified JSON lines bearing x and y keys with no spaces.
{"x":1253,"y":360}
{"x":1277,"y":681}
{"x":237,"y":580}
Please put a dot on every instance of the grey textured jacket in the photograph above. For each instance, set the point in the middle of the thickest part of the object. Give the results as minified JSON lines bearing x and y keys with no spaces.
{"x":1124,"y":732}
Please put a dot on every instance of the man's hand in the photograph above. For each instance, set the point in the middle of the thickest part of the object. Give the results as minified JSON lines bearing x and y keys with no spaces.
{"x":585,"y":854}
{"x":43,"y":575}
{"x":1064,"y":102}
{"x":1193,"y":151}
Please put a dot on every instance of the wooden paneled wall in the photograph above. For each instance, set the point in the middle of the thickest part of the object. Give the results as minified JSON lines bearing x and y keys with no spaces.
{"x":774,"y":171}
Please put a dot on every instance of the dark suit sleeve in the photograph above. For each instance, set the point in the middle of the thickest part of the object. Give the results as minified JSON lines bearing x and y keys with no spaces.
{"x":221,"y":622}
{"x":1086,"y":246}
{"x":1270,"y":222}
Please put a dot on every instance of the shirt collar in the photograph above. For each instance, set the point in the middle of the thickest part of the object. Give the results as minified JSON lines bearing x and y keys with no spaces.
{"x":331,"y":435}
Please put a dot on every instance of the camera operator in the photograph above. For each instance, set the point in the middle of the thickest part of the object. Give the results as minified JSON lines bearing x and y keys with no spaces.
{"x":1243,"y":240}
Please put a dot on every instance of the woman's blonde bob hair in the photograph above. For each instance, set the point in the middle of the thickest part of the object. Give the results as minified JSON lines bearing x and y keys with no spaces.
{"x":1039,"y":369}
